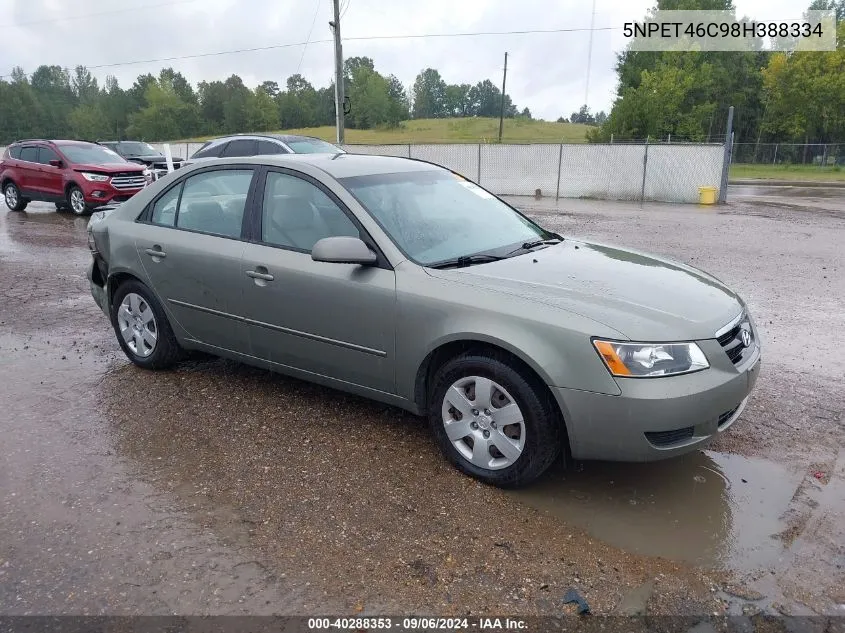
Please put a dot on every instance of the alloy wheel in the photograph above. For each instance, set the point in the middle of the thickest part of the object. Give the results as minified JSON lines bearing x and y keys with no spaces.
{"x":77,"y":201}
{"x":11,"y":196}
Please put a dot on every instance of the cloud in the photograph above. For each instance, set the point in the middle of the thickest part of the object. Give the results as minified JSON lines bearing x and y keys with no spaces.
{"x":546,"y":72}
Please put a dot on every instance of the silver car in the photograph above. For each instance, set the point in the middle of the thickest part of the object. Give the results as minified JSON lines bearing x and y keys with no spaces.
{"x":403,"y":282}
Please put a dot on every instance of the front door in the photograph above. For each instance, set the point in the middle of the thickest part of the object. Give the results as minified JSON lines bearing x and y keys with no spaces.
{"x":334,"y":320}
{"x":191,"y":250}
{"x":51,"y":177}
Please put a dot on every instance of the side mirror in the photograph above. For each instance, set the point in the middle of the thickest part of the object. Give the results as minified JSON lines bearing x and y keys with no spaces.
{"x":343,"y":250}
{"x":55,"y":163}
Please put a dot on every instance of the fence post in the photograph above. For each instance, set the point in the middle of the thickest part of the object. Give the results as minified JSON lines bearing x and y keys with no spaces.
{"x":669,"y":139}
{"x":611,"y":138}
{"x":726,"y":161}
{"x":559,"y":164}
{"x":478,"y":180}
{"x":645,"y":165}
{"x":775,"y":159}
{"x":409,"y":150}
{"x":824,"y":156}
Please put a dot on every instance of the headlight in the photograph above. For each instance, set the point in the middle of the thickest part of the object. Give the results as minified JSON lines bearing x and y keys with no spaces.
{"x":650,"y":360}
{"x":94,"y":177}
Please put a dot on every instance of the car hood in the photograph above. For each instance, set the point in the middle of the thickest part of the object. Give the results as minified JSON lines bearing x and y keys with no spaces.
{"x":109,"y":168}
{"x":642,"y":296}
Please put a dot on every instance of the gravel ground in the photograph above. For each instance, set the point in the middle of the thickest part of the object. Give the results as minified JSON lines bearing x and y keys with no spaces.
{"x":216,"y":488}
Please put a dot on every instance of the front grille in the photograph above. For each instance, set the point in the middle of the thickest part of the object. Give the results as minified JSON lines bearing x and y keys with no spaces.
{"x":727,"y":416}
{"x":667,"y":438}
{"x":731,"y":341}
{"x":128,"y":181}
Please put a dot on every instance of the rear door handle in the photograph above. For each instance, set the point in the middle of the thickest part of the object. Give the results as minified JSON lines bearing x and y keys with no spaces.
{"x":155,"y":252}
{"x":259,"y":275}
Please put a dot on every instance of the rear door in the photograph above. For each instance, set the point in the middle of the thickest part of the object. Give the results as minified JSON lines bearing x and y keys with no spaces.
{"x":190,"y":246}
{"x":29,"y":171}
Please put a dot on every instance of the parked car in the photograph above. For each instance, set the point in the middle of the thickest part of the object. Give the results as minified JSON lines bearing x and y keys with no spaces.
{"x":75,"y":175}
{"x":401,"y":281}
{"x":263,"y":145}
{"x":143,"y":154}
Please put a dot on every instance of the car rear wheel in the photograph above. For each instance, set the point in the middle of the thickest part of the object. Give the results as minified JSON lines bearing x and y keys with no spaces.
{"x":492,"y":421}
{"x":13,"y":197}
{"x":142,"y":328}
{"x":76,"y":201}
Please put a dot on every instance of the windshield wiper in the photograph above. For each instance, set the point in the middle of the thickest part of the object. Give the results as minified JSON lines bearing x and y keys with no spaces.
{"x":466,"y":260}
{"x":527,"y":246}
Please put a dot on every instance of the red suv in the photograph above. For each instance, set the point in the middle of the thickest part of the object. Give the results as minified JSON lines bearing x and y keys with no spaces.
{"x":74,"y":174}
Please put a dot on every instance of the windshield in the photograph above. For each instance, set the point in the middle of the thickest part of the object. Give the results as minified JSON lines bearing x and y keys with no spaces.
{"x":434,"y":216}
{"x":136,"y":148}
{"x":312,"y":146}
{"x":92,"y":154}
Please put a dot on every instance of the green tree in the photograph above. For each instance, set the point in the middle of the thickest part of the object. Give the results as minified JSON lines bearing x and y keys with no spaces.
{"x":165,"y":116}
{"x":429,"y":95}
{"x":805,"y":93}
{"x":212,"y":102}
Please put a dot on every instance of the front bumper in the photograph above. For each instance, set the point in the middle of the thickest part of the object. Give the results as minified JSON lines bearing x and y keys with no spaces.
{"x":99,"y":196}
{"x":656,"y":418}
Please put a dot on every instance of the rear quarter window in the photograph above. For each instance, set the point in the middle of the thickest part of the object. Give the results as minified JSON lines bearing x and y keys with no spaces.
{"x":15,"y":152}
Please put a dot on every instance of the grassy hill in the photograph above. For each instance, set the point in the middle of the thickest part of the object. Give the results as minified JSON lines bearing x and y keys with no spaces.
{"x":464,"y":130}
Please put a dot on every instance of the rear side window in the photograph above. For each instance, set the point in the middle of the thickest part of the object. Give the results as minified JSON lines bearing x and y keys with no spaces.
{"x":214,"y":201}
{"x":266,"y":148}
{"x":15,"y":152}
{"x":30,"y":154}
{"x":241,"y":147}
{"x":164,"y":210}
{"x":209,"y":151}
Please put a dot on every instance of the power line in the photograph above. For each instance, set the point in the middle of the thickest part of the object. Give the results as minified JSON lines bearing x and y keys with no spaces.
{"x":92,"y":15}
{"x":308,"y":39}
{"x":345,"y":9}
{"x":346,"y":39}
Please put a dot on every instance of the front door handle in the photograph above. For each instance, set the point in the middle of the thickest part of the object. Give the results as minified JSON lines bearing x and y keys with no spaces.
{"x":156,"y":251}
{"x":260,"y":274}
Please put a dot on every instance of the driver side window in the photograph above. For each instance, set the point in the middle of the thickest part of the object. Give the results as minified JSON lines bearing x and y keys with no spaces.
{"x":297,"y":214}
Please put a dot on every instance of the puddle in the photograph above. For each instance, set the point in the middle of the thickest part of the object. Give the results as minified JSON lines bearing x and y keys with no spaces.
{"x":705,"y":508}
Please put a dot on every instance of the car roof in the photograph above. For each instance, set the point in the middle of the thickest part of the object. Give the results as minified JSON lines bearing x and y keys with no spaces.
{"x":277,"y":137}
{"x":338,"y":165}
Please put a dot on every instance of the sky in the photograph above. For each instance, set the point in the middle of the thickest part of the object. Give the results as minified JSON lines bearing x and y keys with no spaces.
{"x":547,"y":72}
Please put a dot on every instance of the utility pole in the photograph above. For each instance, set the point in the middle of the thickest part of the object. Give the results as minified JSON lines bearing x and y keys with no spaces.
{"x":338,"y":73}
{"x":502,"y":108}
{"x":590,"y":55}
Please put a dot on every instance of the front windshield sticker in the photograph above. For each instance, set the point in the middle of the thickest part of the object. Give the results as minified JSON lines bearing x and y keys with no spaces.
{"x":476,"y":189}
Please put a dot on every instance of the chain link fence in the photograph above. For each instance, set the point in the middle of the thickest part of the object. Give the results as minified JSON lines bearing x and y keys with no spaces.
{"x":820,"y":154}
{"x":664,"y":172}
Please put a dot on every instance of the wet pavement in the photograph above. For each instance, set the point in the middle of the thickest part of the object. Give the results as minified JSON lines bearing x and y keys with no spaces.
{"x":216,"y":488}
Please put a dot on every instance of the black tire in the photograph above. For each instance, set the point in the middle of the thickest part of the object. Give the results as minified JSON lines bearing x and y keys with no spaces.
{"x":544,"y":434}
{"x":70,"y":193}
{"x":167,"y":350}
{"x":20,"y":204}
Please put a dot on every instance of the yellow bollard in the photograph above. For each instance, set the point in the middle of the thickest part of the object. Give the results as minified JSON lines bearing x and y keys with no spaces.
{"x":707,"y":195}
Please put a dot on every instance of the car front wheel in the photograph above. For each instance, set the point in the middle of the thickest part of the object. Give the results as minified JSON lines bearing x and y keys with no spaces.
{"x":13,"y":197}
{"x":76,"y":201}
{"x":142,"y":328}
{"x":493,"y":422}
